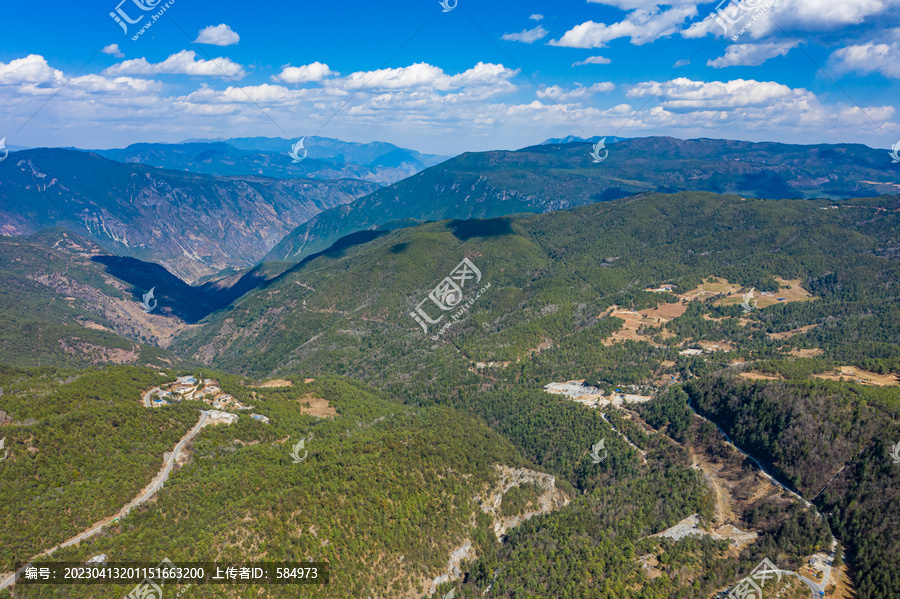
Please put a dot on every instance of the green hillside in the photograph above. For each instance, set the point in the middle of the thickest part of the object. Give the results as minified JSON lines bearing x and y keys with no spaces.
{"x":559,"y":176}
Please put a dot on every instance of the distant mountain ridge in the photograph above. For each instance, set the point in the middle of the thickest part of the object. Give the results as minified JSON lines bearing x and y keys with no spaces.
{"x":193,"y":224}
{"x":559,"y":176}
{"x":327,"y":158}
{"x":610,"y":139}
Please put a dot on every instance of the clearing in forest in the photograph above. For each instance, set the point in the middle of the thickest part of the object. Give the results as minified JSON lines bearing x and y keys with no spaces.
{"x":858,"y":375}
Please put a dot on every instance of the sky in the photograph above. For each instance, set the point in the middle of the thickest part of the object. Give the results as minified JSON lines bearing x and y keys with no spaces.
{"x":444,"y":79}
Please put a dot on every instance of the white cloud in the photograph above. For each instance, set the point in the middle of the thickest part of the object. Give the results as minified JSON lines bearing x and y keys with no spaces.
{"x":34,"y":77}
{"x":315,"y":71}
{"x":868,"y":58}
{"x":536,"y":17}
{"x":592,"y":60}
{"x":558,"y":94}
{"x":683,"y":93}
{"x":527,"y":36}
{"x":183,"y":63}
{"x":114,"y":50}
{"x":642,"y":26}
{"x":681,"y":63}
{"x":424,"y":75}
{"x":801,"y":15}
{"x":119,"y":85}
{"x":750,"y":54}
{"x":251,"y":94}
{"x":219,"y":35}
{"x":33,"y":69}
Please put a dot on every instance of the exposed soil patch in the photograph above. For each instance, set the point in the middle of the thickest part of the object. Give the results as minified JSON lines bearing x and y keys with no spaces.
{"x":277,"y":383}
{"x":791,"y":333}
{"x":806,"y":353}
{"x":316,"y":406}
{"x":789,"y":291}
{"x":758,"y":376}
{"x":651,"y":318}
{"x":858,"y":375}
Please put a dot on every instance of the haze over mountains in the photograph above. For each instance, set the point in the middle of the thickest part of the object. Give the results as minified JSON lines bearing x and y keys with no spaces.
{"x":327,"y":158}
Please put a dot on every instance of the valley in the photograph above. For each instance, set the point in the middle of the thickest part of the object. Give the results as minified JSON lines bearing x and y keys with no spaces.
{"x":659,"y":408}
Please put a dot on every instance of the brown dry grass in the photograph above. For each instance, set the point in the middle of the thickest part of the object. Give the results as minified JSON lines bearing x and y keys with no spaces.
{"x":706,"y":289}
{"x":316,"y":406}
{"x":789,"y":291}
{"x":806,"y":353}
{"x":791,"y":333}
{"x":651,"y":318}
{"x":758,"y":376}
{"x":716,"y":345}
{"x":854,"y":374}
{"x":277,"y":383}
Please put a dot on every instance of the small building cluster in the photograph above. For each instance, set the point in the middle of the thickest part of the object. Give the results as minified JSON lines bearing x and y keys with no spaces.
{"x":593,"y":397}
{"x":186,"y":388}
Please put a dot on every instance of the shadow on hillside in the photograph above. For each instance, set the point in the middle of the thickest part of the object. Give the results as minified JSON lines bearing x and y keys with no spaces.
{"x":488,"y":227}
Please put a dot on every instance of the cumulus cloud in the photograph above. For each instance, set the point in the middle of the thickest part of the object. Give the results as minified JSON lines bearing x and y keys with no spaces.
{"x":558,"y":94}
{"x":642,"y":26}
{"x":424,"y":75}
{"x":113,"y":49}
{"x":867,"y":58}
{"x":183,"y":63}
{"x":527,"y":36}
{"x":684,"y":93}
{"x":315,"y":71}
{"x":750,"y":54}
{"x":802,"y":15}
{"x":592,"y":60}
{"x":33,"y":69}
{"x":219,"y":35}
{"x":33,"y":76}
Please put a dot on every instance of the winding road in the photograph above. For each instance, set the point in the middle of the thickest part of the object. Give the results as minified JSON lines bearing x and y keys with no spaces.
{"x":148,"y":492}
{"x":817,"y":588}
{"x":148,"y":395}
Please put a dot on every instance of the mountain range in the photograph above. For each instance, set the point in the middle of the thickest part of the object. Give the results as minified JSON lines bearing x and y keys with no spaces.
{"x":560,"y":176}
{"x":377,"y":162}
{"x":639,"y":294}
{"x":192,"y":224}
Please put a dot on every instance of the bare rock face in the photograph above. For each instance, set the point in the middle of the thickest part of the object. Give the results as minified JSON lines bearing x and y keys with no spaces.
{"x":192,"y":224}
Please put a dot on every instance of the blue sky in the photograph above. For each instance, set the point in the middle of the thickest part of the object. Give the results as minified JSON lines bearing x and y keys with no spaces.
{"x":484,"y":75}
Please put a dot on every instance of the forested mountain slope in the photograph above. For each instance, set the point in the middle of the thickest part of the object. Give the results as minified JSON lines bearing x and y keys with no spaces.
{"x":192,"y":224}
{"x":558,"y":176}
